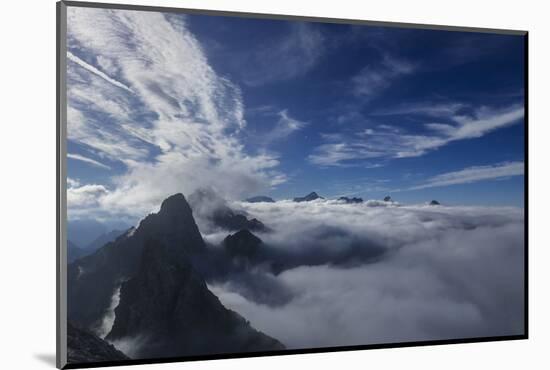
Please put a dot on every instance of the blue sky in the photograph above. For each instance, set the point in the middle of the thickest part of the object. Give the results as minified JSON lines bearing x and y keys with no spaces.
{"x":164,"y":103}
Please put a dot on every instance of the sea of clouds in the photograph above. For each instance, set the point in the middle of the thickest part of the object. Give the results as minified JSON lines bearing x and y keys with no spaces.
{"x":380,"y":272}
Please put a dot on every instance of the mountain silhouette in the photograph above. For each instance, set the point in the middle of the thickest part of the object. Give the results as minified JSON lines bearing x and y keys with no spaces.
{"x":168,"y":305}
{"x":311,"y":196}
{"x":162,"y":298}
{"x":93,"y":279}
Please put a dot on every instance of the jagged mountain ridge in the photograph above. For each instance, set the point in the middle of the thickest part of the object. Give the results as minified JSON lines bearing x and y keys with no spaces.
{"x":103,"y":271}
{"x":242,"y":244}
{"x":127,"y":264}
{"x":169,"y":306}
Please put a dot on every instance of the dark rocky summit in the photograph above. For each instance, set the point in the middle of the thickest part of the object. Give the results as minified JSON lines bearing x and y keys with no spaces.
{"x":83,"y":346}
{"x":388,"y":199}
{"x":242,"y":244}
{"x":350,"y":200}
{"x":229,"y":220}
{"x":169,"y":306}
{"x":260,"y":199}
{"x":163,"y":301}
{"x":93,"y":279}
{"x":434,"y":203}
{"x":311,"y":196}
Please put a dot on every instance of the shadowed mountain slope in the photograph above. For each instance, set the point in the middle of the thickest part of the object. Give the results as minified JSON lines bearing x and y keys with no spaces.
{"x":144,"y":289}
{"x":93,"y":279}
{"x":169,"y":307}
{"x":83,"y":346}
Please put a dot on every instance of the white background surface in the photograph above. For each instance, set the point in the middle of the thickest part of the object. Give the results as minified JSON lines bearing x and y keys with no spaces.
{"x":27,"y":155}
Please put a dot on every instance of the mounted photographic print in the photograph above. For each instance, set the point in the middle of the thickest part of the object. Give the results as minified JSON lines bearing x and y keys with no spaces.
{"x":235,"y":185}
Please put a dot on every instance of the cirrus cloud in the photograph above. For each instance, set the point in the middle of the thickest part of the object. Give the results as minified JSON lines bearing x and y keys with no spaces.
{"x":167,"y":117}
{"x":392,"y":142}
{"x":474,"y":174}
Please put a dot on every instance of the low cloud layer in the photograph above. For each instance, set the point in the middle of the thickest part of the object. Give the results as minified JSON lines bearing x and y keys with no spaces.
{"x":445,"y":272}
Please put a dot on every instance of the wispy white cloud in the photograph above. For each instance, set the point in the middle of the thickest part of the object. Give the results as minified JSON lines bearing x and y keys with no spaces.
{"x":96,"y":71}
{"x":374,"y":78}
{"x":486,"y":120}
{"x":387,"y":141}
{"x":72,"y":183}
{"x":342,"y":154}
{"x":292,"y":55}
{"x":85,"y":195}
{"x":429,"y":109}
{"x":93,"y":162}
{"x":175,"y":127}
{"x":474,"y":174}
{"x":285,"y":126}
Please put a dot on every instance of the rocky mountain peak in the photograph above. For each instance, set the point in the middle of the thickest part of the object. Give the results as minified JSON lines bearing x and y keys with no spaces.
{"x":173,"y":224}
{"x":311,"y":196}
{"x":170,"y":302}
{"x":92,"y":279}
{"x":242,"y":243}
{"x":175,"y":204}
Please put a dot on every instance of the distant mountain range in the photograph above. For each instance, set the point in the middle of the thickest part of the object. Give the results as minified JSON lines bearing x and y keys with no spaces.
{"x":74,"y":252}
{"x":103,"y":239}
{"x":313,"y":196}
{"x":163,"y":300}
{"x":83,"y":232}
